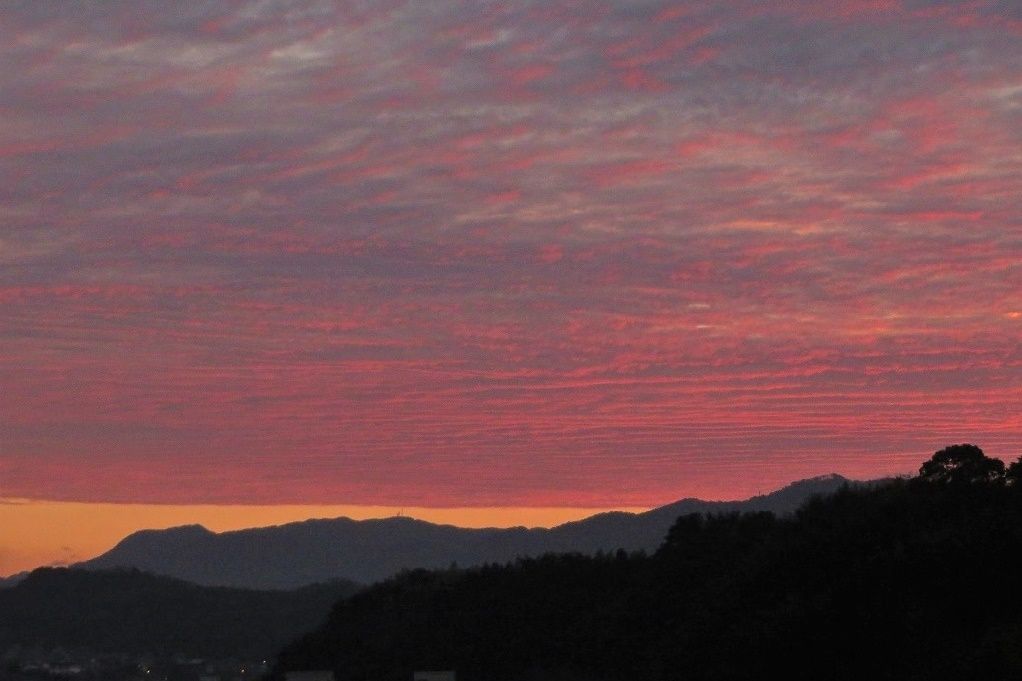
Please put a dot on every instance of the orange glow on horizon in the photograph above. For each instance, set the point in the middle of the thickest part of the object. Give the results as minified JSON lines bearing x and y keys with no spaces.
{"x":40,"y":532}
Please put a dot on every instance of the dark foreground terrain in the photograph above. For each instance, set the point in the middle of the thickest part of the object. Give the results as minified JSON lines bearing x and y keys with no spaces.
{"x":912,"y":579}
{"x":133,"y":613}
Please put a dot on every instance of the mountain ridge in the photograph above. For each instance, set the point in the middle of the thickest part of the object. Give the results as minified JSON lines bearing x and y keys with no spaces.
{"x":304,"y":552}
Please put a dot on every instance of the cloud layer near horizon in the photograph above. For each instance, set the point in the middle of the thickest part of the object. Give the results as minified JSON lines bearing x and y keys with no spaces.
{"x":522,"y":253}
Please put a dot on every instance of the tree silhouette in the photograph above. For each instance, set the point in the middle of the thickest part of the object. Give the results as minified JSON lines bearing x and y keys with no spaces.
{"x":1014,"y":473}
{"x":962,"y":464}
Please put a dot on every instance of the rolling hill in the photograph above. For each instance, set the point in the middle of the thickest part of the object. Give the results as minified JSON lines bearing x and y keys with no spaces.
{"x":128,"y":611}
{"x":296,"y":554}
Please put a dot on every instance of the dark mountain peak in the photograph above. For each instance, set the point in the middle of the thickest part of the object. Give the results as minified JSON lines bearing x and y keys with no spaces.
{"x":396,"y":520}
{"x":38,"y":576}
{"x":826,"y":478}
{"x":181,"y":531}
{"x":607,"y":518}
{"x":828,"y":482}
{"x":170,"y":537}
{"x":46,"y":577}
{"x":791,"y":496}
{"x":193,"y":530}
{"x":365,"y":551}
{"x":11,"y":580}
{"x":780,"y":502}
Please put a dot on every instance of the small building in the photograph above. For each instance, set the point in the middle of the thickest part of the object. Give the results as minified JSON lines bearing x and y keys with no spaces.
{"x":433,"y":676}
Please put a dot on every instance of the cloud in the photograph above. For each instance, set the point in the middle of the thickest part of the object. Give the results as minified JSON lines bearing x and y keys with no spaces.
{"x":452,"y":253}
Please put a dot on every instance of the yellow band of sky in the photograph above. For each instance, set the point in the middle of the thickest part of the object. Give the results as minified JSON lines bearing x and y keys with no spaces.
{"x":34,"y":532}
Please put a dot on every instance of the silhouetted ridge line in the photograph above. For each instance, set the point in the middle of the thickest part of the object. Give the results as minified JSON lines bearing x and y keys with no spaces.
{"x":366,"y":551}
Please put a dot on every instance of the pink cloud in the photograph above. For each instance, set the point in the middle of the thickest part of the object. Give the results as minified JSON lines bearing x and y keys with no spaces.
{"x":604,"y":253}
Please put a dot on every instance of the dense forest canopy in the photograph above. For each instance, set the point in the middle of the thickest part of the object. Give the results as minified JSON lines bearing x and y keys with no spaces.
{"x":911,"y":579}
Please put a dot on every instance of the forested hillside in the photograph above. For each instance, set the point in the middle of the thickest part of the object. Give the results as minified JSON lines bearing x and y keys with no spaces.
{"x":127,"y":611}
{"x":912,"y":579}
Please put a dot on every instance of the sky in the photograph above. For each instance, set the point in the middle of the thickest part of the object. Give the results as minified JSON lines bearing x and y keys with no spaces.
{"x":503,"y":254}
{"x":62,"y":533}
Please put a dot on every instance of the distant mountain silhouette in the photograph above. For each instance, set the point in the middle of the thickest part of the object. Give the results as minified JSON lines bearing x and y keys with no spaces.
{"x":292,"y":555}
{"x":127,"y":611}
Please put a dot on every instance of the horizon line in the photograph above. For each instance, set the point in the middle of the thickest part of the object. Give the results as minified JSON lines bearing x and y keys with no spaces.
{"x":55,"y":533}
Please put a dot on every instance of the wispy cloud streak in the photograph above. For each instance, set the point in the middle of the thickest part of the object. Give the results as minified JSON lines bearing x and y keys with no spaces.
{"x":530,"y":253}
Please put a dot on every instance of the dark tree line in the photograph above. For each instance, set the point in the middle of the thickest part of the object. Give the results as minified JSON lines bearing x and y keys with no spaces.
{"x":911,"y":579}
{"x":127,"y":611}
